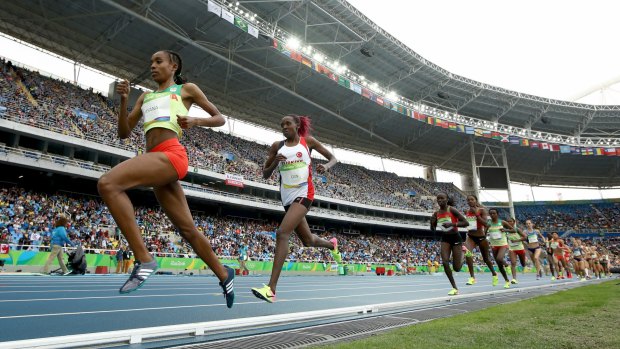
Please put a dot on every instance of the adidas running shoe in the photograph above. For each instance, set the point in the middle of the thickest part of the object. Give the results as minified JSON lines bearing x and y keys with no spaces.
{"x":470,"y":281}
{"x":139,"y":274}
{"x":228,"y":287}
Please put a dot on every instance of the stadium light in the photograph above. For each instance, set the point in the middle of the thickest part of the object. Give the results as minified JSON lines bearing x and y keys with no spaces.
{"x":319,"y":57}
{"x":293,"y":43}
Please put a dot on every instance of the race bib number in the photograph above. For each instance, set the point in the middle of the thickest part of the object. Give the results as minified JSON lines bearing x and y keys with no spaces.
{"x":496,"y":235}
{"x":532,"y":238}
{"x":295,"y":174}
{"x":473,"y":223}
{"x":514,"y":243}
{"x":157,"y":109}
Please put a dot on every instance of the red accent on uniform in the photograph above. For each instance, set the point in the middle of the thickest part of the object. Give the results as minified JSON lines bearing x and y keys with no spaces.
{"x":176,"y":153}
{"x":302,"y":140}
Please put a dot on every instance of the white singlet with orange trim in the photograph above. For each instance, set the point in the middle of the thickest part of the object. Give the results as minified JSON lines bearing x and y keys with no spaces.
{"x":295,"y":173}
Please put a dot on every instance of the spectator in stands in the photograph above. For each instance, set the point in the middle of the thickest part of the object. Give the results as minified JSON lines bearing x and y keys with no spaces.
{"x":59,"y":239}
{"x":119,"y":259}
{"x":127,"y":259}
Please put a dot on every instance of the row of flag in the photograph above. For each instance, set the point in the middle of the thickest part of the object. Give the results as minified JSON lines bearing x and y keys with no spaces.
{"x":380,"y":100}
{"x":470,"y":130}
{"x":237,"y":21}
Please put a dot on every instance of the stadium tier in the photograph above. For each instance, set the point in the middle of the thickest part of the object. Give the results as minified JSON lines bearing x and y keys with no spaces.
{"x":30,"y":98}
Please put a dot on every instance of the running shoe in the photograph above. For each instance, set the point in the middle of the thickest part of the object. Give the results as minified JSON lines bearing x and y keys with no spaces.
{"x":537,"y":277}
{"x":514,"y":281}
{"x":335,"y":253}
{"x":495,"y":280}
{"x":453,"y":292}
{"x":582,"y":279}
{"x":264,"y":293}
{"x":471,"y":281}
{"x":228,"y":287}
{"x":466,"y":251}
{"x":139,"y":274}
{"x":507,"y":284}
{"x":553,"y":278}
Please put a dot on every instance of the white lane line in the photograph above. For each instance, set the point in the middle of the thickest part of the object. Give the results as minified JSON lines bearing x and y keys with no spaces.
{"x":243,"y":303}
{"x":154,"y":286}
{"x":190,"y":294}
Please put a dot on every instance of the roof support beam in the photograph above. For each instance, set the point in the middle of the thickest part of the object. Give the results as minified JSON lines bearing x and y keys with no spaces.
{"x":587,"y":118}
{"x":536,"y":117}
{"x":431,"y":89}
{"x":468,"y":100}
{"x":506,"y":109}
{"x":239,"y":66}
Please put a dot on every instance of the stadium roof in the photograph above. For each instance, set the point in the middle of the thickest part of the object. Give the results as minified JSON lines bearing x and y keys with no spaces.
{"x":248,"y":79}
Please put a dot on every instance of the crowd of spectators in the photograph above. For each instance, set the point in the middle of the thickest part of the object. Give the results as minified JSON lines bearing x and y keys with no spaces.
{"x":63,"y":107}
{"x":26,"y":221}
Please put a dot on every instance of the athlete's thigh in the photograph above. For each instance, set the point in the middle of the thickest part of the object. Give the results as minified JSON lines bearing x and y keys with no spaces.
{"x":469,"y":243}
{"x":293,"y":217}
{"x":303,"y":230}
{"x":148,"y":170}
{"x":172,"y":200}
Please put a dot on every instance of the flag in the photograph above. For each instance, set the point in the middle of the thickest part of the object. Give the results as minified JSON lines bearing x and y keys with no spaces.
{"x":565,"y":149}
{"x":599,"y":151}
{"x":487,"y":134}
{"x":478,"y":132}
{"x":496,"y":136}
{"x":356,"y":88}
{"x":379,"y":100}
{"x":430,"y":120}
{"x":534,"y":144}
{"x":445,"y":124}
{"x":575,"y":150}
{"x":401,"y":109}
{"x":418,"y":116}
{"x":460,"y":128}
{"x":514,"y":140}
{"x":296,"y":56}
{"x":587,"y":151}
{"x":241,"y":24}
{"x":524,"y":142}
{"x":504,"y":138}
{"x":611,"y":151}
{"x":323,"y":69}
{"x":544,"y":146}
{"x":366,"y":92}
{"x":215,"y":8}
{"x":469,"y":130}
{"x":252,"y":30}
{"x":342,"y":81}
{"x":554,"y":147}
{"x":307,"y":62}
{"x":228,"y":16}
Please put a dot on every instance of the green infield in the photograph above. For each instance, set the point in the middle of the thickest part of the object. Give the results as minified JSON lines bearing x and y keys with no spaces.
{"x":583,"y":317}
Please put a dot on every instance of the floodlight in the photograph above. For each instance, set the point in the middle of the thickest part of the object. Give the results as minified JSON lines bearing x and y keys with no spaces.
{"x":293,"y":43}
